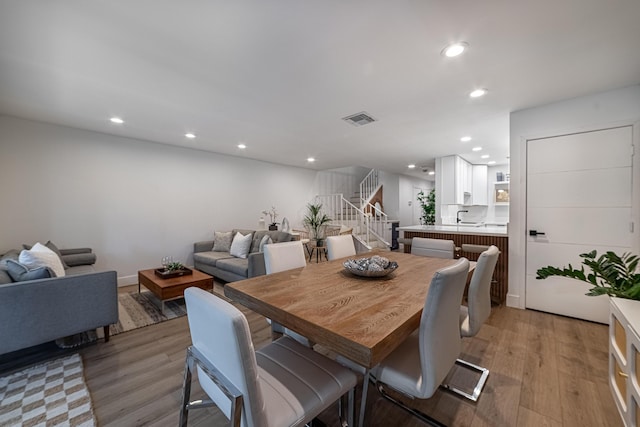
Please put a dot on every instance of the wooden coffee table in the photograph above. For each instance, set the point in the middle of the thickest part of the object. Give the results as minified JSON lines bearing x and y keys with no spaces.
{"x":173,"y":288}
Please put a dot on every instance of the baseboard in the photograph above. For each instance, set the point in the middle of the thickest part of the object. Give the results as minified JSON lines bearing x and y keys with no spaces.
{"x":128,"y":280}
{"x":514,"y":301}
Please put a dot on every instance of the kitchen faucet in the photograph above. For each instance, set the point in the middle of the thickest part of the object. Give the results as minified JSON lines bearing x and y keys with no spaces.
{"x":458,"y":220}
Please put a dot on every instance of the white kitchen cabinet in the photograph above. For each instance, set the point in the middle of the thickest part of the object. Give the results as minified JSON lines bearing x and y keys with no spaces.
{"x":479,"y":188}
{"x":456,"y":176}
{"x":624,"y":358}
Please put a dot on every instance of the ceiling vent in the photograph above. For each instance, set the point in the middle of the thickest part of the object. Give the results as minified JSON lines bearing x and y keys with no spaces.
{"x":359,"y":119}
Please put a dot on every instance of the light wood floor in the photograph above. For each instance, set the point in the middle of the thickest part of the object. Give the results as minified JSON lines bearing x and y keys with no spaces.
{"x":546,"y":370}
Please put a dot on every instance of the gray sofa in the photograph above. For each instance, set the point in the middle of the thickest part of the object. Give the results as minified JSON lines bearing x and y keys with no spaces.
{"x":225,"y":267}
{"x":33,"y":312}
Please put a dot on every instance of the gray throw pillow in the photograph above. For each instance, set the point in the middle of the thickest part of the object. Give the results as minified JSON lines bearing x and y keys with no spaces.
{"x":20,"y":273}
{"x":222,"y":241}
{"x":12,"y":254}
{"x":266,"y":240}
{"x":55,"y":249}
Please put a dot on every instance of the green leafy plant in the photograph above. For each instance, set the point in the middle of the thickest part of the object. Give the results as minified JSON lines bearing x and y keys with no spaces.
{"x":610,"y":274}
{"x":315,"y":220}
{"x":174,"y":266}
{"x":428,"y":205}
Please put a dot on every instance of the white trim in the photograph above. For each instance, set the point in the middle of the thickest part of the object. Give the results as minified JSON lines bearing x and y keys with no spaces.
{"x":127,"y":280}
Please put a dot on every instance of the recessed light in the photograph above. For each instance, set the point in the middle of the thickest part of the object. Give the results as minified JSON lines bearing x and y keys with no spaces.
{"x":311,"y":159}
{"x":478,"y":93}
{"x":431,"y":173}
{"x":454,"y":49}
{"x":117,"y":120}
{"x":492,"y":162}
{"x":242,"y":146}
{"x":189,"y":135}
{"x":411,"y":166}
{"x":485,"y":156}
{"x":476,"y":149}
{"x":465,"y":139}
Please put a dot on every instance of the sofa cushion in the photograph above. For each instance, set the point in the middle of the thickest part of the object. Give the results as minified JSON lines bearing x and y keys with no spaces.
{"x":222,"y":241}
{"x":4,"y":277}
{"x":20,"y":273}
{"x":241,"y":245}
{"x":80,"y":269}
{"x":41,"y":256}
{"x":210,"y":258}
{"x":276,"y":237}
{"x":239,"y":266}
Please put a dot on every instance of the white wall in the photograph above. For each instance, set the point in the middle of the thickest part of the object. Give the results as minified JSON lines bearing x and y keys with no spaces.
{"x":406,"y":184}
{"x":597,"y":111}
{"x":132,"y":201}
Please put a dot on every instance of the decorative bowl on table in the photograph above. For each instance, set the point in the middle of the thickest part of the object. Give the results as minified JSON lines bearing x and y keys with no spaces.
{"x":375,"y":266}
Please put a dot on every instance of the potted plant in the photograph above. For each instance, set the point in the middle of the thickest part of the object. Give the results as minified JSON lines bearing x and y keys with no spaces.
{"x":315,"y":220}
{"x":610,"y":274}
{"x":428,"y":205}
{"x":273,"y":215}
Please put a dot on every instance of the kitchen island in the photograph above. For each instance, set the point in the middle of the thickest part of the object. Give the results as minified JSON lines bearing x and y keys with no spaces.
{"x":474,"y":235}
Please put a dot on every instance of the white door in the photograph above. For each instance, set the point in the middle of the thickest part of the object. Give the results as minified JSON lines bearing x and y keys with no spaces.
{"x":417,"y":208}
{"x":579,"y":193}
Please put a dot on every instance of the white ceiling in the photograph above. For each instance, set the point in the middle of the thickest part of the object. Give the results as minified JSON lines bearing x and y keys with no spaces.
{"x":279,"y":75}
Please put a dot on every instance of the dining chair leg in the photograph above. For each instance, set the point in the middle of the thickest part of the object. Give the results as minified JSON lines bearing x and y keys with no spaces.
{"x":413,"y":411}
{"x":350,"y":400}
{"x":363,"y":402}
{"x":186,"y":390}
{"x":484,"y":374}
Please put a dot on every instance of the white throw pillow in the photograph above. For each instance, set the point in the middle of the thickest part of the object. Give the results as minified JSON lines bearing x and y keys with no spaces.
{"x":240,"y":245}
{"x":42,"y":256}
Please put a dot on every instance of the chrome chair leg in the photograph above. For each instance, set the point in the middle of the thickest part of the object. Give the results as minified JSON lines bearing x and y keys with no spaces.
{"x":230,"y":391}
{"x":350,"y":398}
{"x":413,"y":411}
{"x":484,"y":374}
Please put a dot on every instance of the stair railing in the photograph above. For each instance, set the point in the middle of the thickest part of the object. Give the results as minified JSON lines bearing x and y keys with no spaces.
{"x":365,"y":225}
{"x":368,"y":186}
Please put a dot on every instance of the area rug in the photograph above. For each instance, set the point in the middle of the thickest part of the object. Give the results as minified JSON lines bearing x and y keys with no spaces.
{"x":135,"y":310}
{"x":50,"y":394}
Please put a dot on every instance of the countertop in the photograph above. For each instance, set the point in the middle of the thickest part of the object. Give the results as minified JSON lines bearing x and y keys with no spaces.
{"x":496,"y":230}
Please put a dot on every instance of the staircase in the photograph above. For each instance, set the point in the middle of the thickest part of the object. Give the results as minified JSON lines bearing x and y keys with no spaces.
{"x":370,"y":225}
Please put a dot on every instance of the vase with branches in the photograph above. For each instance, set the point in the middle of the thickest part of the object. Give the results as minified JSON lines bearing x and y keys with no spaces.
{"x":315,"y":221}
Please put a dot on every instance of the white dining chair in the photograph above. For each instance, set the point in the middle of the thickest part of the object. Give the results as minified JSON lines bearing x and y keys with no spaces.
{"x":282,"y":384}
{"x":340,"y":247}
{"x":419,"y":365}
{"x":282,"y":257}
{"x":473,"y":316}
{"x":436,"y":248}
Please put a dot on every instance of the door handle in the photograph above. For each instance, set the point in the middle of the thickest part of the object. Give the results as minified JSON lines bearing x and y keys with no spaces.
{"x":536,"y":233}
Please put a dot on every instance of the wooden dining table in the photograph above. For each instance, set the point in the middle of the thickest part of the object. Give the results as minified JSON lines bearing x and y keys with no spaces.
{"x":361,"y":318}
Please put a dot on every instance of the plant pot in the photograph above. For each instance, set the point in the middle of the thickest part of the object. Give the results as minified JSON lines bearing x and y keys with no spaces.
{"x":273,"y":227}
{"x":320,"y":243}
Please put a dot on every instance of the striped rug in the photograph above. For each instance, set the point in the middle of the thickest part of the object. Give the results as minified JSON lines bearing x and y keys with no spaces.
{"x":135,"y":310}
{"x":51,"y":394}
